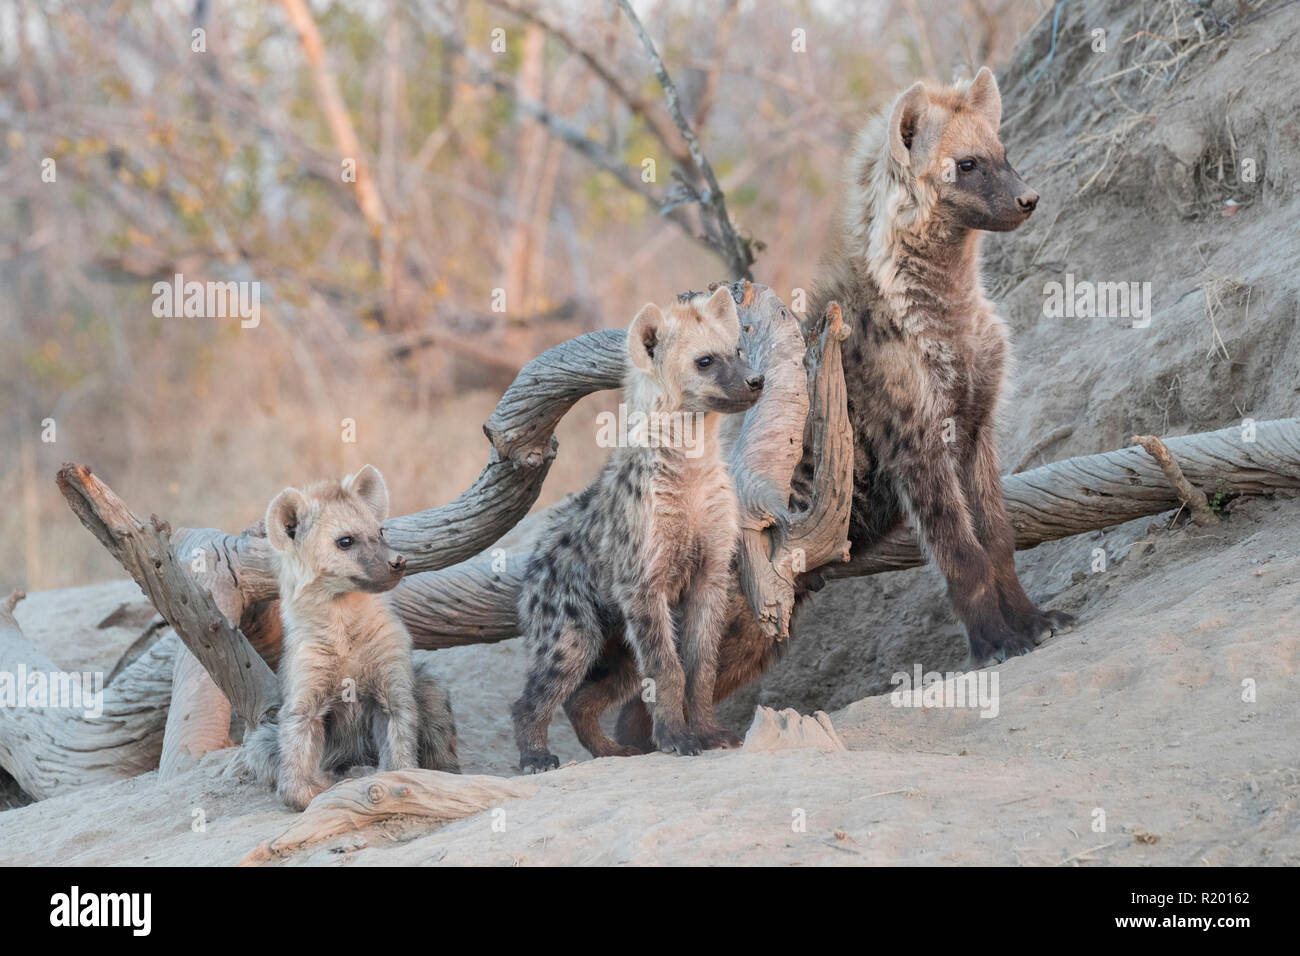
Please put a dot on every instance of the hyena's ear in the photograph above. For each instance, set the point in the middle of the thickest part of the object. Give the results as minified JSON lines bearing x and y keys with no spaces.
{"x":369,"y":485}
{"x":721,"y":307}
{"x":283,"y":516}
{"x":644,"y":335}
{"x":984,"y":98}
{"x":903,"y":119}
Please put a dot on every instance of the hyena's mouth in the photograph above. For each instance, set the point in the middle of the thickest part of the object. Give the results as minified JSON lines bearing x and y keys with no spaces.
{"x":371,"y":586}
{"x":731,"y":403}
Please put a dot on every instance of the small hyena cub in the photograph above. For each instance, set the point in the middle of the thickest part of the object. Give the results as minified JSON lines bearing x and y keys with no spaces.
{"x":642,"y":557}
{"x":351,"y":695}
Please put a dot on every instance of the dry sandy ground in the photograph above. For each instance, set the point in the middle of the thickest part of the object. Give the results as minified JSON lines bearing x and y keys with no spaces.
{"x":1137,"y":714}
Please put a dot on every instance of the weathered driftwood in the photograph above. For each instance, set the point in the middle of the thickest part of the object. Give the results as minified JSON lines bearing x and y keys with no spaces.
{"x":1099,"y":491}
{"x":198,"y":721}
{"x":1193,"y":497}
{"x":427,"y":795}
{"x":776,"y":545}
{"x":51,"y":750}
{"x":181,"y":589}
{"x":472,"y":603}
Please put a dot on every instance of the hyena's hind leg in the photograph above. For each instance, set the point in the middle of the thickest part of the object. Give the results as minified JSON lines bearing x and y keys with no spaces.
{"x":993,"y":527}
{"x":437,"y":725}
{"x":260,"y":753}
{"x":610,"y":682}
{"x":555,"y":672}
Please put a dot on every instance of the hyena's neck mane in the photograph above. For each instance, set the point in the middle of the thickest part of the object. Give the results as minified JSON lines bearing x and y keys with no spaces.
{"x":923,"y":268}
{"x":673,"y":436}
{"x":303,"y":596}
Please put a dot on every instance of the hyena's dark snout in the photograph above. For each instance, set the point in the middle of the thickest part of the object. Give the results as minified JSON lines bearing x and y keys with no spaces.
{"x":755,"y":382}
{"x":1027,"y":201}
{"x":397,"y":564}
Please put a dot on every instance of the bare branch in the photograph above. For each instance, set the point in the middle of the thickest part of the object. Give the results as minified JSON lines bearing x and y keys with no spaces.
{"x":638,"y":105}
{"x":1191,"y":496}
{"x":336,"y":113}
{"x":734,"y":250}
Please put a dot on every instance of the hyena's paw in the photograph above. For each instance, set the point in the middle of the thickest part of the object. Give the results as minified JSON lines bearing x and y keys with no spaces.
{"x":1042,"y":625}
{"x":720,"y":740}
{"x":993,"y":645}
{"x":296,"y":794}
{"x":678,"y":740}
{"x":538,"y":761}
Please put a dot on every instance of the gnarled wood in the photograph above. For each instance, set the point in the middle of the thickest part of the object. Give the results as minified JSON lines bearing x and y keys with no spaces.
{"x":1098,"y":491}
{"x":429,"y":795}
{"x":51,"y":750}
{"x":179,"y":592}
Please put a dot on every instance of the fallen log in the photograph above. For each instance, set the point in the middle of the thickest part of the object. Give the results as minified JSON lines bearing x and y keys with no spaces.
{"x":1099,"y":491}
{"x":428,"y":795}
{"x":54,"y":747}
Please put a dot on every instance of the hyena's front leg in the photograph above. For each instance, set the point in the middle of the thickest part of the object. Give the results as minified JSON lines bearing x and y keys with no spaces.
{"x":562,"y":654}
{"x":704,"y":616}
{"x":650,"y":632}
{"x":399,"y":747}
{"x":933,"y":494}
{"x":993,"y":527}
{"x":302,"y":744}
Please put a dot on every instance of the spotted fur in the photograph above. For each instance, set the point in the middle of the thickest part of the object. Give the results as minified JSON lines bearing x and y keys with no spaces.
{"x":630,"y":581}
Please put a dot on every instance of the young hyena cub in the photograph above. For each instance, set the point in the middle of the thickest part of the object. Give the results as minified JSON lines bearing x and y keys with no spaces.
{"x":926,"y":363}
{"x":350,"y":692}
{"x":642,"y":557}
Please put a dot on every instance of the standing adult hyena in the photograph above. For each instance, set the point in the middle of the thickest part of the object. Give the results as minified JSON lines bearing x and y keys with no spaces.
{"x":926,"y":363}
{"x":642,"y":557}
{"x":351,"y":694}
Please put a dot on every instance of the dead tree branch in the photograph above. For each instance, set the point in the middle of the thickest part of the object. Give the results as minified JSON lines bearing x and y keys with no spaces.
{"x":1058,"y":500}
{"x":658,"y":124}
{"x":1191,"y":496}
{"x":428,"y":795}
{"x":181,"y":597}
{"x":52,"y":748}
{"x":734,"y":250}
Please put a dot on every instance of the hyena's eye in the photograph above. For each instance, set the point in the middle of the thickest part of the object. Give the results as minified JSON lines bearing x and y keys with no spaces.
{"x":344,"y":543}
{"x":703,"y":362}
{"x":966,"y":165}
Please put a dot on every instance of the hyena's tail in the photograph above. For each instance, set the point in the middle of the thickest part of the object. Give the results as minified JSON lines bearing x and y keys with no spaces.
{"x":261,"y":753}
{"x":437,"y":726}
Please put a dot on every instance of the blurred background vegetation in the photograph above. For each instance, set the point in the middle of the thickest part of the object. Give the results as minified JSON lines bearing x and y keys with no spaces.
{"x":500,"y":145}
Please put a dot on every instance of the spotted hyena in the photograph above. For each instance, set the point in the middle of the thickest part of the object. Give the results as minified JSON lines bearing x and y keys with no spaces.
{"x":351,"y":694}
{"x":926,"y":364}
{"x":642,"y":558}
